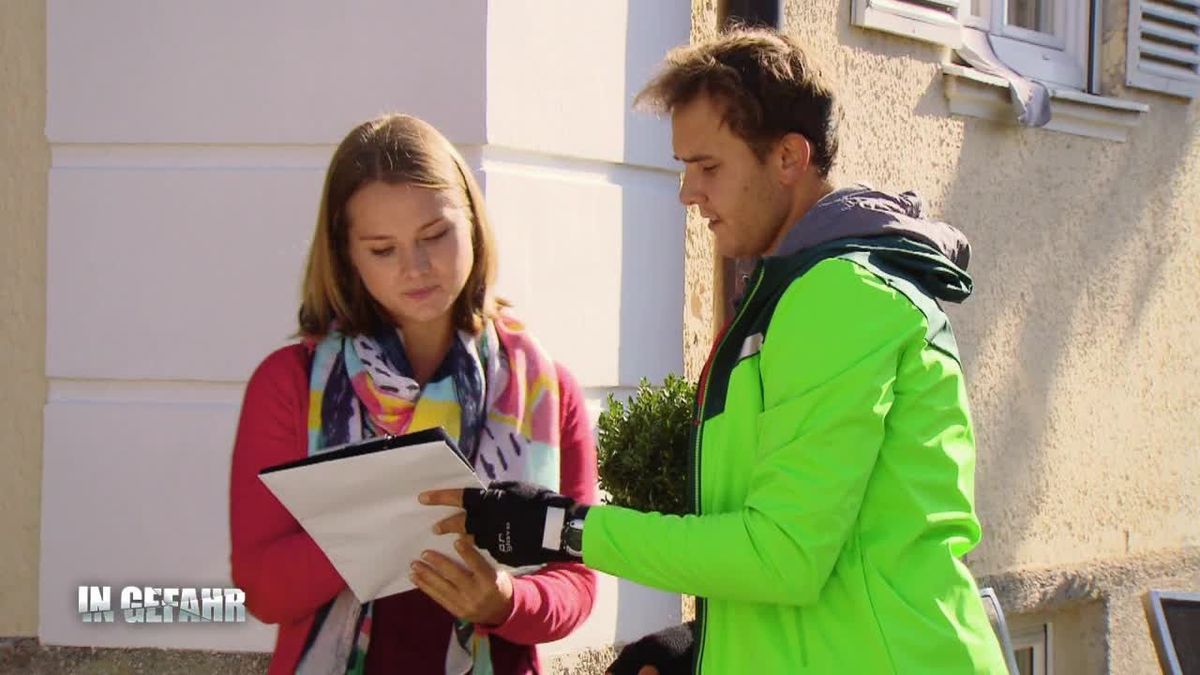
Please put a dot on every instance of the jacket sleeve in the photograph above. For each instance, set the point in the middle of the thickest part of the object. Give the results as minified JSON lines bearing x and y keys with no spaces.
{"x":551,"y":603}
{"x":283,"y":572}
{"x":828,"y":369}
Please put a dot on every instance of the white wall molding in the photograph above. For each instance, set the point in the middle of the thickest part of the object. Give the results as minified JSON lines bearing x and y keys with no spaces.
{"x":189,"y":141}
{"x":169,"y":392}
{"x":273,"y":71}
{"x":189,"y":156}
{"x":562,"y":76}
{"x":516,"y":160}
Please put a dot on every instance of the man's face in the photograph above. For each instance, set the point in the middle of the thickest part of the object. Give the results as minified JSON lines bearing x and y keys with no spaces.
{"x":742,"y":197}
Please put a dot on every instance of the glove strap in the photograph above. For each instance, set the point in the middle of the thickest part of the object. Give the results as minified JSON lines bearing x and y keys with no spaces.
{"x":556,"y":516}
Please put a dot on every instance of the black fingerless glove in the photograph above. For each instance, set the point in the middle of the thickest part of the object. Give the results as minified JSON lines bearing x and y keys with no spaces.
{"x":669,"y":650}
{"x":509,"y":520}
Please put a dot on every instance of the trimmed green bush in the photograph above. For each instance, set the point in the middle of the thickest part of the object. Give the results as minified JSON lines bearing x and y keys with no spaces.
{"x":644,"y":446}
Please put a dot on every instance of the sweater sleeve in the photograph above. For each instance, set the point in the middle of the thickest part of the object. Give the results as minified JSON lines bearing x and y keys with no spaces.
{"x":551,"y":603}
{"x":828,"y":371}
{"x":283,"y":572}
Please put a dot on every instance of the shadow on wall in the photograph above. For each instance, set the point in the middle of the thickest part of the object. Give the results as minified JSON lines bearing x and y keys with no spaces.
{"x":1060,"y":225}
{"x":1071,"y":238}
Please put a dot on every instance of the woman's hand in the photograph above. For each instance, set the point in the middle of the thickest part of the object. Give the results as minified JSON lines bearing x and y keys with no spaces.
{"x":476,"y":592}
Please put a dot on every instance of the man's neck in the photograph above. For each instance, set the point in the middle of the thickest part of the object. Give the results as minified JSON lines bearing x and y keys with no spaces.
{"x":805,"y":200}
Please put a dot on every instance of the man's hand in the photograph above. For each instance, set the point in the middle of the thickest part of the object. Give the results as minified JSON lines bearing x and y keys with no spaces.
{"x":667,"y":652}
{"x":509,"y":520}
{"x":476,"y":592}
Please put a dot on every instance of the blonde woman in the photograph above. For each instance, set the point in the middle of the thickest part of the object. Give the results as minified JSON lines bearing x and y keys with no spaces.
{"x":402,"y":332}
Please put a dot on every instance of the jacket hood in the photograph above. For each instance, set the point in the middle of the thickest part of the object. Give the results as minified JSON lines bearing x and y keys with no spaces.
{"x":859,"y":212}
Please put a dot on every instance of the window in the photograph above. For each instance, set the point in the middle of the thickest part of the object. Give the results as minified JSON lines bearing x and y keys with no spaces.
{"x":1011,"y":44}
{"x":931,"y":20}
{"x":1032,"y":651}
{"x":1047,"y":40}
{"x":1057,"y":41}
{"x":1175,"y":626}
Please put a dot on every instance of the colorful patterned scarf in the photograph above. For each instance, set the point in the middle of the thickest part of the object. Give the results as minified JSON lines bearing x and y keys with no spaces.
{"x":495,"y":394}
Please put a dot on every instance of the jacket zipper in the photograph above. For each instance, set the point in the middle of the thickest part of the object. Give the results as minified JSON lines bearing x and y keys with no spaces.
{"x":701,"y":604}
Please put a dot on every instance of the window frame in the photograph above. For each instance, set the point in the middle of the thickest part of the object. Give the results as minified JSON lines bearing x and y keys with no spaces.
{"x":1082,"y":110}
{"x":1160,"y":629}
{"x":906,"y":18}
{"x":1039,"y":639}
{"x":1062,"y":58}
{"x":1066,"y":59}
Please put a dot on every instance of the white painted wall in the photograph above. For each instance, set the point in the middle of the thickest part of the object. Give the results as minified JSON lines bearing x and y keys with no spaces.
{"x":264,"y":72}
{"x":189,"y":141}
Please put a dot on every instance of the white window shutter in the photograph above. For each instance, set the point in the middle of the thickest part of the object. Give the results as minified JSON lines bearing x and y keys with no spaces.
{"x":1164,"y":46}
{"x":928,"y":20}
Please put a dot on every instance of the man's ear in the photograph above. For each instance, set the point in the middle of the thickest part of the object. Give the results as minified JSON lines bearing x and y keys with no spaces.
{"x":794,"y":156}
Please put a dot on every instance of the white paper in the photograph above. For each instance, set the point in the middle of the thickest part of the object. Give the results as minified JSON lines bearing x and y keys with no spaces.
{"x":363,"y":511}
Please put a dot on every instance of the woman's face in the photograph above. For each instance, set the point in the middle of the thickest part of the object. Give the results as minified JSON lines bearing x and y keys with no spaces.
{"x":411,"y":247}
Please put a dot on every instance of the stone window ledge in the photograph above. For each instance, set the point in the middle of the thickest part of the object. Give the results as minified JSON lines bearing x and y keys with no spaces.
{"x":977,"y":94}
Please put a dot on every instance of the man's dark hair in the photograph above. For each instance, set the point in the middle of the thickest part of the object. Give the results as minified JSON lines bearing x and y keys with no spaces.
{"x":766,"y":82}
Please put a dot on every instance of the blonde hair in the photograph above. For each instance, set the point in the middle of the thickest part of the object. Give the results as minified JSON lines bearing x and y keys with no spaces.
{"x":394,"y":149}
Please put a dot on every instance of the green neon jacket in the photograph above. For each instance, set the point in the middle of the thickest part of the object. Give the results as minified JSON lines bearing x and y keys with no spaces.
{"x":833,"y":468}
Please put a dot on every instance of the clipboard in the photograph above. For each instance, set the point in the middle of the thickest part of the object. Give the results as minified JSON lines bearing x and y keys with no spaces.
{"x":359,"y":504}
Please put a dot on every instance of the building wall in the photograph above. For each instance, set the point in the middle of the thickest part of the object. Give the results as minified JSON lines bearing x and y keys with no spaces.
{"x":24,"y":159}
{"x":1082,"y":342}
{"x":701,"y":314}
{"x":189,"y":141}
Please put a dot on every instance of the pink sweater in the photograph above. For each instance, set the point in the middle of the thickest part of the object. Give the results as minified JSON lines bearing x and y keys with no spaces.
{"x":287,"y":578}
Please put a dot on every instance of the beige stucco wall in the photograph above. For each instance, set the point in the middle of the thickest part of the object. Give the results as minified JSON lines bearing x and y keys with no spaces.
{"x":700,"y":272}
{"x":1082,"y":342}
{"x":24,"y":162}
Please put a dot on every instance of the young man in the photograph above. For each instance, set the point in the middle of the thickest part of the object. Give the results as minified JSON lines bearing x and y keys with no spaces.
{"x":833,"y":467}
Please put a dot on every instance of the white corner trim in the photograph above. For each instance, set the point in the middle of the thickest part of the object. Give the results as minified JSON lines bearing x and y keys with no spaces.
{"x":908,"y":20}
{"x":976,"y":94}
